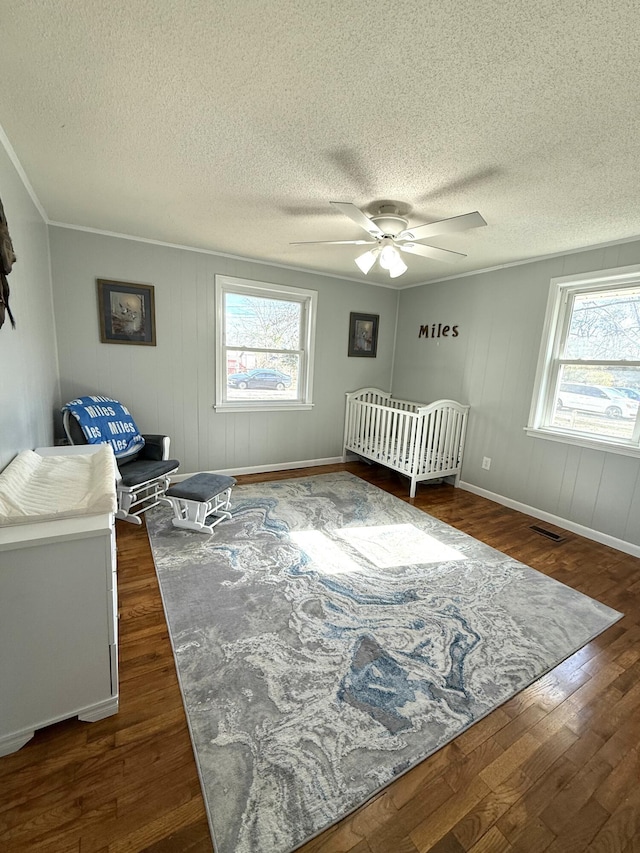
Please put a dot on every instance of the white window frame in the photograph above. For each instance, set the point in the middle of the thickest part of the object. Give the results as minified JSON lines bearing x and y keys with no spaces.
{"x":556,"y":327}
{"x":308,"y":300}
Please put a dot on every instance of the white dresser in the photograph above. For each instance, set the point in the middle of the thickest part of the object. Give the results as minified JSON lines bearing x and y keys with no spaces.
{"x":58,"y":623}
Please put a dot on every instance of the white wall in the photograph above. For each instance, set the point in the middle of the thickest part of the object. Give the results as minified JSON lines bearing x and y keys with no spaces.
{"x":170,"y":387}
{"x":492,"y":365}
{"x":28,"y":359}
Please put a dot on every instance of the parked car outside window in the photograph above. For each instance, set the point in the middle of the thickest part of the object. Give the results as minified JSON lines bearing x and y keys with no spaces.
{"x":629,"y":392}
{"x":596,"y":398}
{"x":259,"y":378}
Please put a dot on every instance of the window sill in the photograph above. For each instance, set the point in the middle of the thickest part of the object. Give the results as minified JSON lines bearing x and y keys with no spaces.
{"x":263,"y":407}
{"x":582,"y":441}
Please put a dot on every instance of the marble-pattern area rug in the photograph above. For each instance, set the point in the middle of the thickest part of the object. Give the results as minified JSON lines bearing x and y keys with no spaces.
{"x":330,"y":636}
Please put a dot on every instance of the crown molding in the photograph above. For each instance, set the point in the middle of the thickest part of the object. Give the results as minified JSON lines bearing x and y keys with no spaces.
{"x":201,"y":251}
{"x":531,"y":260}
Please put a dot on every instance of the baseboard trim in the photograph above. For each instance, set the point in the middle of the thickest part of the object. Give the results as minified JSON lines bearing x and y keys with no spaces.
{"x":91,"y":713}
{"x":263,"y":469}
{"x":558,"y":521}
{"x":15,"y":741}
{"x":100,"y":710}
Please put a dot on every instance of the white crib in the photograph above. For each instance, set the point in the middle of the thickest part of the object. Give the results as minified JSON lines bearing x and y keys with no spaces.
{"x":424,"y":442}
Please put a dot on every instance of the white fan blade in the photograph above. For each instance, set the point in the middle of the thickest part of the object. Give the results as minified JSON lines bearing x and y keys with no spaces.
{"x":444,"y":226}
{"x":333,"y":242}
{"x":356,"y":215}
{"x":366,"y":261}
{"x":431,"y":252}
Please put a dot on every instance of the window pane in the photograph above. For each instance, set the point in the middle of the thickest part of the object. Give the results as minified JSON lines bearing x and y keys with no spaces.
{"x":600,"y":401}
{"x":262,"y":375}
{"x":252,"y":321}
{"x":605,"y":326}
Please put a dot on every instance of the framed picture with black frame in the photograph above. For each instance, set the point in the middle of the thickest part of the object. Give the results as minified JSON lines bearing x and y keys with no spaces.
{"x":363,"y":335}
{"x":127,"y":313}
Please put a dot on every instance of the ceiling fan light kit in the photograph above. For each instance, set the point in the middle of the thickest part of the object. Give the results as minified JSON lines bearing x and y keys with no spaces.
{"x":398,"y":268}
{"x":388,"y":256}
{"x":390,"y":236}
{"x":366,"y":261}
{"x":391,"y":261}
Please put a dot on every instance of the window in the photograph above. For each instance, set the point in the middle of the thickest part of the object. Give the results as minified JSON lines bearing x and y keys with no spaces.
{"x":588,"y":382}
{"x":264,"y":344}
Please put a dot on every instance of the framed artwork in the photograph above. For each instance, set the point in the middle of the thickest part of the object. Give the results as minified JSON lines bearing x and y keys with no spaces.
{"x":127,"y":313}
{"x":363,"y":335}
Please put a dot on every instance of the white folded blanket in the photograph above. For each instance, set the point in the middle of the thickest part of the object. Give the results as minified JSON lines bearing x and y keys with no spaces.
{"x":41,"y":488}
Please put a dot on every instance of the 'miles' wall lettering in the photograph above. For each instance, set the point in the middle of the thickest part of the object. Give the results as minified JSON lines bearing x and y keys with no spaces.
{"x":438,"y":331}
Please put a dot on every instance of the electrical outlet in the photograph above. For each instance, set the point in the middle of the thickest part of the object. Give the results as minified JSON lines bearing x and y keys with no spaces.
{"x":486,"y":463}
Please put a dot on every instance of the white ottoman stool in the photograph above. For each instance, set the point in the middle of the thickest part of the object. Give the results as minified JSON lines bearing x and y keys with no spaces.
{"x":197,"y":498}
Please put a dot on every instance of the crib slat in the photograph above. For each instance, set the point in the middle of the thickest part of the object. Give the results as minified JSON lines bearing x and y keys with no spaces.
{"x":404,"y":461}
{"x":348,"y":426}
{"x":455,"y":432}
{"x":368,"y":414}
{"x":446,"y":459}
{"x":386,"y":428}
{"x":352,"y":408}
{"x":379,"y":414}
{"x":374,"y":424}
{"x":358,"y":425}
{"x":448,"y":442}
{"x":424,"y":433}
{"x":437,"y":450}
{"x":395,"y":433}
{"x":429,"y":450}
{"x":412,"y":425}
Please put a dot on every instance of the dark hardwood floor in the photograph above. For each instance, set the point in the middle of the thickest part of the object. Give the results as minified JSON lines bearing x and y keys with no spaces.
{"x":555,"y":769}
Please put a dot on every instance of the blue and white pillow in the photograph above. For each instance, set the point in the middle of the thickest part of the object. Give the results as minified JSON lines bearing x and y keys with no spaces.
{"x":106,"y":421}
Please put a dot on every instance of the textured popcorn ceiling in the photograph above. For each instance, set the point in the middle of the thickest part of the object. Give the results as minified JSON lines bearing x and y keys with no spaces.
{"x":229,"y":125}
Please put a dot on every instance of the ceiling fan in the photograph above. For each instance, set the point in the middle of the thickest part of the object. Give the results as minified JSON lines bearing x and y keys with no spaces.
{"x":390,"y":235}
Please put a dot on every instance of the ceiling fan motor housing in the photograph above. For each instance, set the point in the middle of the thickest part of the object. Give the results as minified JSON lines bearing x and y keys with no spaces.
{"x":391,"y":224}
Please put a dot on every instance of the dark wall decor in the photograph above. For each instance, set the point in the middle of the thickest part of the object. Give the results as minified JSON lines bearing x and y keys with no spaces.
{"x":438,"y":330}
{"x":127,"y":313}
{"x":363,"y":335}
{"x":7,"y":260}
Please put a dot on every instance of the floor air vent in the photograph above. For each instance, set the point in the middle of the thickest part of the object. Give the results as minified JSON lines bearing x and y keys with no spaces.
{"x":555,"y":537}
